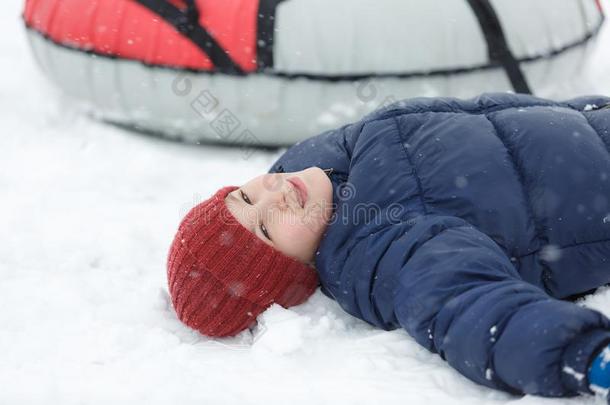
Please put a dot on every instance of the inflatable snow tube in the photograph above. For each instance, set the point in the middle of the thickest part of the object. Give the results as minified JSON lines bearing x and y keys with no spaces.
{"x":273,"y":72}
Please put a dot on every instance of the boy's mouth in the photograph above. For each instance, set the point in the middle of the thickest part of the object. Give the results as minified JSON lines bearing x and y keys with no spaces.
{"x":300,"y":188}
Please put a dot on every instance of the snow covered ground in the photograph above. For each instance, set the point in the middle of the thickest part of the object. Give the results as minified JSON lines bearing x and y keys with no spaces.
{"x":87,"y":212}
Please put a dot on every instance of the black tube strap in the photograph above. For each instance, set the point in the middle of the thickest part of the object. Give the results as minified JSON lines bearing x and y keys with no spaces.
{"x":499,"y":52}
{"x":265,"y":33}
{"x":187,"y":24}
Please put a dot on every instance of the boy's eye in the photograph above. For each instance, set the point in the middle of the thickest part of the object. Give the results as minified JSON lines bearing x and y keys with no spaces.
{"x":245,"y":197}
{"x":262,"y":226}
{"x":264,"y":230}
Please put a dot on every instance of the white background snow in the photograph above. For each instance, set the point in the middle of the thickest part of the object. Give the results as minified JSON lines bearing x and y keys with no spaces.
{"x":87,"y":212}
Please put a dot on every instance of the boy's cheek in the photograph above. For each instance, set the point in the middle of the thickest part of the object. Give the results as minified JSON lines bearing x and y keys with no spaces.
{"x":300,"y":233}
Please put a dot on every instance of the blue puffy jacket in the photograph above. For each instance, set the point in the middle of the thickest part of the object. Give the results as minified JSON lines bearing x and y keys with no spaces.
{"x":469,"y":223}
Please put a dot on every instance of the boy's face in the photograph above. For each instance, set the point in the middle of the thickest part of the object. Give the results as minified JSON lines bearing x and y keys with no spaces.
{"x":288,"y":211}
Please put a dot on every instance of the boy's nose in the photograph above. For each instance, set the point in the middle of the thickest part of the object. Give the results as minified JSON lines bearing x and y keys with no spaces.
{"x":274,"y":199}
{"x":279,"y":198}
{"x":276,"y":192}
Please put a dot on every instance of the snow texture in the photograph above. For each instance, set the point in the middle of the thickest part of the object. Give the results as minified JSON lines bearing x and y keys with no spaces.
{"x":87,"y":213}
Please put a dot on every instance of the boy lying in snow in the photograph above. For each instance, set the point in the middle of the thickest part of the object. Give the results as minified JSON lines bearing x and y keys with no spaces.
{"x":469,"y":223}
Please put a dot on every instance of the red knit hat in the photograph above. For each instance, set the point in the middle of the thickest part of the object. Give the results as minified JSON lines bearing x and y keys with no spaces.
{"x":221,"y":276}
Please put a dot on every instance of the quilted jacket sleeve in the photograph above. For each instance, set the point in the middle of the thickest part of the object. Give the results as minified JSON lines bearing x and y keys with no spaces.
{"x":458,"y":294}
